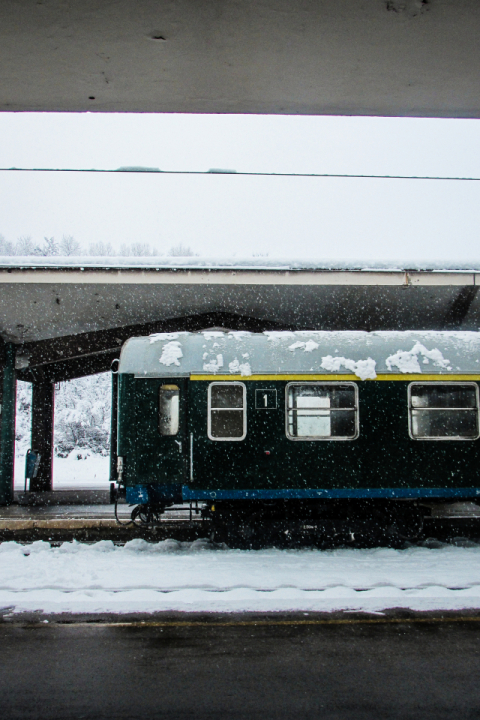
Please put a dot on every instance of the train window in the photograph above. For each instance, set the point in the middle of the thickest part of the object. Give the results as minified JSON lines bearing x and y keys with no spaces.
{"x":169,"y":409}
{"x":441,"y":411}
{"x":322,"y":411}
{"x":227,"y":416}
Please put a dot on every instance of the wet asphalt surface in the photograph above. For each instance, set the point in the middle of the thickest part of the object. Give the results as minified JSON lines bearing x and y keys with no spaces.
{"x":241,"y":666}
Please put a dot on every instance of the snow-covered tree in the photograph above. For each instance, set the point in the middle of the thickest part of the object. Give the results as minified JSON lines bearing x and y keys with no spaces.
{"x":24,"y":246}
{"x":6,"y":247}
{"x":23,"y":421}
{"x":70,"y":246}
{"x":101,"y":249}
{"x":49,"y":248}
{"x":82,"y":416}
{"x":137,"y":249}
{"x":181,"y":250}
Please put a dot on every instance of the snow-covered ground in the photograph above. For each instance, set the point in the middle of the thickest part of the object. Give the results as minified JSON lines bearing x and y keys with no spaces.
{"x":70,"y":472}
{"x":169,"y":575}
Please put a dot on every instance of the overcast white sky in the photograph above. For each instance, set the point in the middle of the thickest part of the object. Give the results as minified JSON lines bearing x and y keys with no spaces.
{"x":225,"y":215}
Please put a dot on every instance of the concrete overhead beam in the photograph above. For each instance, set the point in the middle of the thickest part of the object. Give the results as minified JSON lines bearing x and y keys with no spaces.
{"x":240,"y":276}
{"x":311,"y":57}
{"x":71,"y":305}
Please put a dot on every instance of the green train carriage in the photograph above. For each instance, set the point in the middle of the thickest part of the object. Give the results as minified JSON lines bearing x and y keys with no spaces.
{"x":313,"y":429}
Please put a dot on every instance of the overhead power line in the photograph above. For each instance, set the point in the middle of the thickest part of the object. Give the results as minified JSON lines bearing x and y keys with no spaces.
{"x":215,"y":171}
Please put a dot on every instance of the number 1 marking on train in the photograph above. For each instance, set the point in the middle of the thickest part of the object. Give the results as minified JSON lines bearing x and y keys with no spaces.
{"x":265,"y":399}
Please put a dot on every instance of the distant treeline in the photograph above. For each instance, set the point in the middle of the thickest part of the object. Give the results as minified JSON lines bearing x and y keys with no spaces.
{"x":68,"y":246}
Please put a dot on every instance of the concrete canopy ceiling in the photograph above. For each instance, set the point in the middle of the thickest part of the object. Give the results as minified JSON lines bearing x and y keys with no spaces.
{"x":45,"y":303}
{"x":350,"y":57}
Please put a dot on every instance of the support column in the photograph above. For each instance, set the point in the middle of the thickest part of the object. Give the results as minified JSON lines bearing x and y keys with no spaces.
{"x":114,"y":429}
{"x":7,"y":448}
{"x":43,"y":402}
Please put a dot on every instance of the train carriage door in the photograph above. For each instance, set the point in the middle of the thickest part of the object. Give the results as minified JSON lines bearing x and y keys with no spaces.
{"x":171,"y":428}
{"x":219,"y":441}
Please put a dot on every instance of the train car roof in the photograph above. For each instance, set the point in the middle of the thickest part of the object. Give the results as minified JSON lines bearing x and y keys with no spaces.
{"x":325,"y":354}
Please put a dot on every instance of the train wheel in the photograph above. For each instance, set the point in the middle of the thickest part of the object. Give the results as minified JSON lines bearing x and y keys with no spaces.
{"x":407,"y":522}
{"x":251,"y":532}
{"x":145,"y":515}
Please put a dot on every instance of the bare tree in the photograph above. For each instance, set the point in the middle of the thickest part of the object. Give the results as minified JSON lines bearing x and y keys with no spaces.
{"x":6,"y":247}
{"x":101,"y":249}
{"x":70,"y":246}
{"x":49,"y":248}
{"x":181,"y":250}
{"x":137,"y":249}
{"x":24,"y":246}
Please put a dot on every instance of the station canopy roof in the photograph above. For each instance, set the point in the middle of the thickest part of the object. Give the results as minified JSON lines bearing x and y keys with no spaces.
{"x":52,"y":298}
{"x":70,"y":316}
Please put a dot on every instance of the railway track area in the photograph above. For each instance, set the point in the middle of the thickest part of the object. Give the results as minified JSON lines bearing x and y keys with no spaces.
{"x":93,"y":522}
{"x":86,"y":516}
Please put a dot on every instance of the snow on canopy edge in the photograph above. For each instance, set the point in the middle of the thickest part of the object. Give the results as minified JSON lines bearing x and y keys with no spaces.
{"x":235,"y":263}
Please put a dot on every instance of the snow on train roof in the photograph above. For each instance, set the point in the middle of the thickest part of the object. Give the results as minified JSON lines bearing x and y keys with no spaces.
{"x":243,"y":354}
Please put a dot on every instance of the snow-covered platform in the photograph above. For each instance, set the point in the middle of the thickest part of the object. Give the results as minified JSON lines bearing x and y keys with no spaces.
{"x":200,"y":577}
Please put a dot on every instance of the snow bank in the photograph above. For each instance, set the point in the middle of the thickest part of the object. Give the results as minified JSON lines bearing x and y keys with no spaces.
{"x":169,"y":575}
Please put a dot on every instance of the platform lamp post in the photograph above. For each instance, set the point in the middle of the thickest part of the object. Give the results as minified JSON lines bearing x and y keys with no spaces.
{"x":7,"y":448}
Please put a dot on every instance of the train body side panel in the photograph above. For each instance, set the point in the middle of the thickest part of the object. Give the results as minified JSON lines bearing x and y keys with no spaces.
{"x":266,"y":458}
{"x":392,"y":459}
{"x":384,"y":456}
